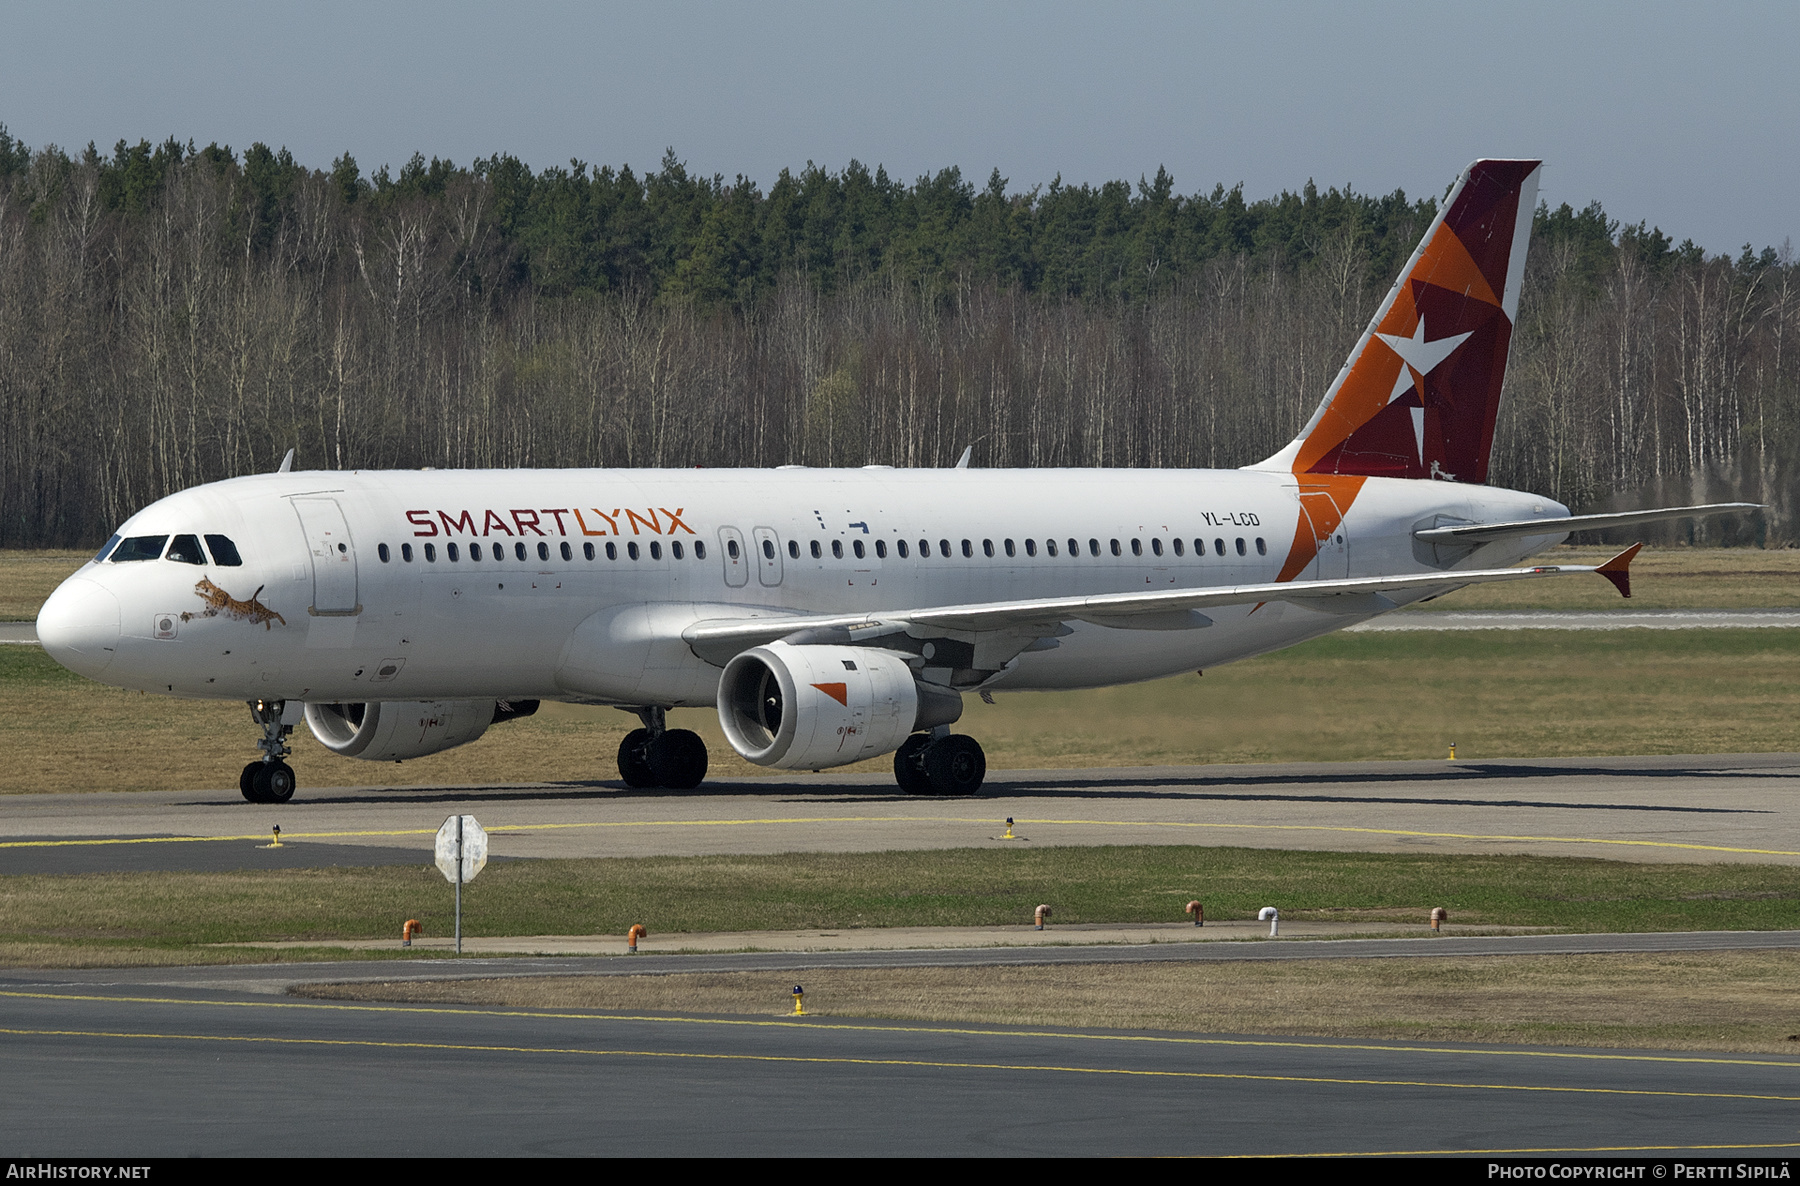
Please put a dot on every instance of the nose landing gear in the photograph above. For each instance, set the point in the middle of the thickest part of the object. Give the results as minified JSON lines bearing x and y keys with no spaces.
{"x":658,"y":756}
{"x":269,"y":780}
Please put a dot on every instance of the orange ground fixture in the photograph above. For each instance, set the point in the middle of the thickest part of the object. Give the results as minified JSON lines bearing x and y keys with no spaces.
{"x":636,"y":932}
{"x":410,"y":931}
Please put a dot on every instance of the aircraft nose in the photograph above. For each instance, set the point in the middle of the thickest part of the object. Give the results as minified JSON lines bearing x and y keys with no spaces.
{"x":79,"y":626}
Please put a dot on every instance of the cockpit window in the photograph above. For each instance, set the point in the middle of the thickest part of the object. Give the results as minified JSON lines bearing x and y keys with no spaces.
{"x":224,"y":552}
{"x":139,"y":547}
{"x":106,"y":549}
{"x":186,"y":550}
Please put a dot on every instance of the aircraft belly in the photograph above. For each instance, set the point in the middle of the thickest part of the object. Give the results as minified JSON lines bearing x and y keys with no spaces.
{"x":1100,"y":656}
{"x":634,"y":654}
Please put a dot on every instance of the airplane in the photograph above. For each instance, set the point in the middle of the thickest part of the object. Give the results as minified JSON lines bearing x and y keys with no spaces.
{"x":834,"y":615}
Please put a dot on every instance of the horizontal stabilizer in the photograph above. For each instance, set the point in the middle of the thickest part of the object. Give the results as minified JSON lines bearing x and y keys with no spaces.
{"x":1481,"y":533}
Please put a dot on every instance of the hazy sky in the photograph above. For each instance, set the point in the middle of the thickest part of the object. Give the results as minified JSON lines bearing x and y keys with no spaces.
{"x":1684,"y":115}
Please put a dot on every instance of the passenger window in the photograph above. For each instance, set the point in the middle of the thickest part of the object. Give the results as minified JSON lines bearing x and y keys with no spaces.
{"x":631,"y":549}
{"x":655,"y":550}
{"x":450,"y":551}
{"x":186,"y":550}
{"x":881,"y":549}
{"x":587,"y":550}
{"x":1137,"y":547}
{"x":224,"y":552}
{"x":924,"y":548}
{"x":519,"y":551}
{"x":612,"y":550}
{"x":568,"y":554}
{"x":901,"y":544}
{"x":793,"y":549}
{"x":675,"y":549}
{"x":1156,"y":546}
{"x":769,"y":549}
{"x":731,"y":549}
{"x":1219,"y":547}
{"x":543,"y":552}
{"x":837,"y":549}
{"x":382,"y":551}
{"x":140,"y":547}
{"x":405,"y":553}
{"x":1030,"y":547}
{"x":1115,"y":548}
{"x":699,"y":550}
{"x":106,"y":549}
{"x":857,"y":547}
{"x":1176,"y":544}
{"x":987,"y":548}
{"x":431,"y":553}
{"x":1262,"y":549}
{"x":1240,"y":545}
{"x":968,"y":549}
{"x":1093,"y":547}
{"x":814,"y":548}
{"x":474,"y":552}
{"x":1049,"y":547}
{"x":944,"y":548}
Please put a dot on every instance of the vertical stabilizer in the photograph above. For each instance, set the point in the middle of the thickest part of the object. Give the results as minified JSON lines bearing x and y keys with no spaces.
{"x":1420,"y":392}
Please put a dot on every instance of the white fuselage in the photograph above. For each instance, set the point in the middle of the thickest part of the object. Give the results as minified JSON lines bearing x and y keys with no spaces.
{"x":359,"y":621}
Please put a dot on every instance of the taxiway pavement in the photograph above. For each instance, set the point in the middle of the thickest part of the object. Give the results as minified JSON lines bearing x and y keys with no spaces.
{"x":172,"y":1072}
{"x":1743,"y":807}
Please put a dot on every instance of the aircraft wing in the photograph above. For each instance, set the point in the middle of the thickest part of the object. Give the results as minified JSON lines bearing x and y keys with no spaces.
{"x":1479,"y":533}
{"x":1177,"y":609}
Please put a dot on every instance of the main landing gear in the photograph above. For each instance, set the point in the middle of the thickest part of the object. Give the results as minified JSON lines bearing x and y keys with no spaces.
{"x":658,"y":756}
{"x":940,"y":763}
{"x":269,"y":780}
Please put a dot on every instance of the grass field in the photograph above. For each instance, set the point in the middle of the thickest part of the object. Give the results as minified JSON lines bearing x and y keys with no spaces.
{"x":1345,"y":697}
{"x":27,"y":578}
{"x":1742,"y":1001}
{"x":180,"y":917}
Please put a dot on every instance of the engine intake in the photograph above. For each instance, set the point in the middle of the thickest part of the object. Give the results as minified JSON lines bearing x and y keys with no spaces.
{"x":812,"y":707}
{"x":394,"y":730}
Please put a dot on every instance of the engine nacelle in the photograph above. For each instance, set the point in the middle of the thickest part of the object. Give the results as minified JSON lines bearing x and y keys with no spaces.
{"x":393,"y":730}
{"x":810,"y":707}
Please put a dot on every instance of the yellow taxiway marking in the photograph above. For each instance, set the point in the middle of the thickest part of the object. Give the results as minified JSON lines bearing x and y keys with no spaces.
{"x":849,"y":1026}
{"x":928,"y":819}
{"x":932,"y":1064}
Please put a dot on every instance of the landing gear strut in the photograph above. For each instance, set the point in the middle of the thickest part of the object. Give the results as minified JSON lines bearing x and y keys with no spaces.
{"x":930,"y":764}
{"x":658,"y":756}
{"x":269,"y":780}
